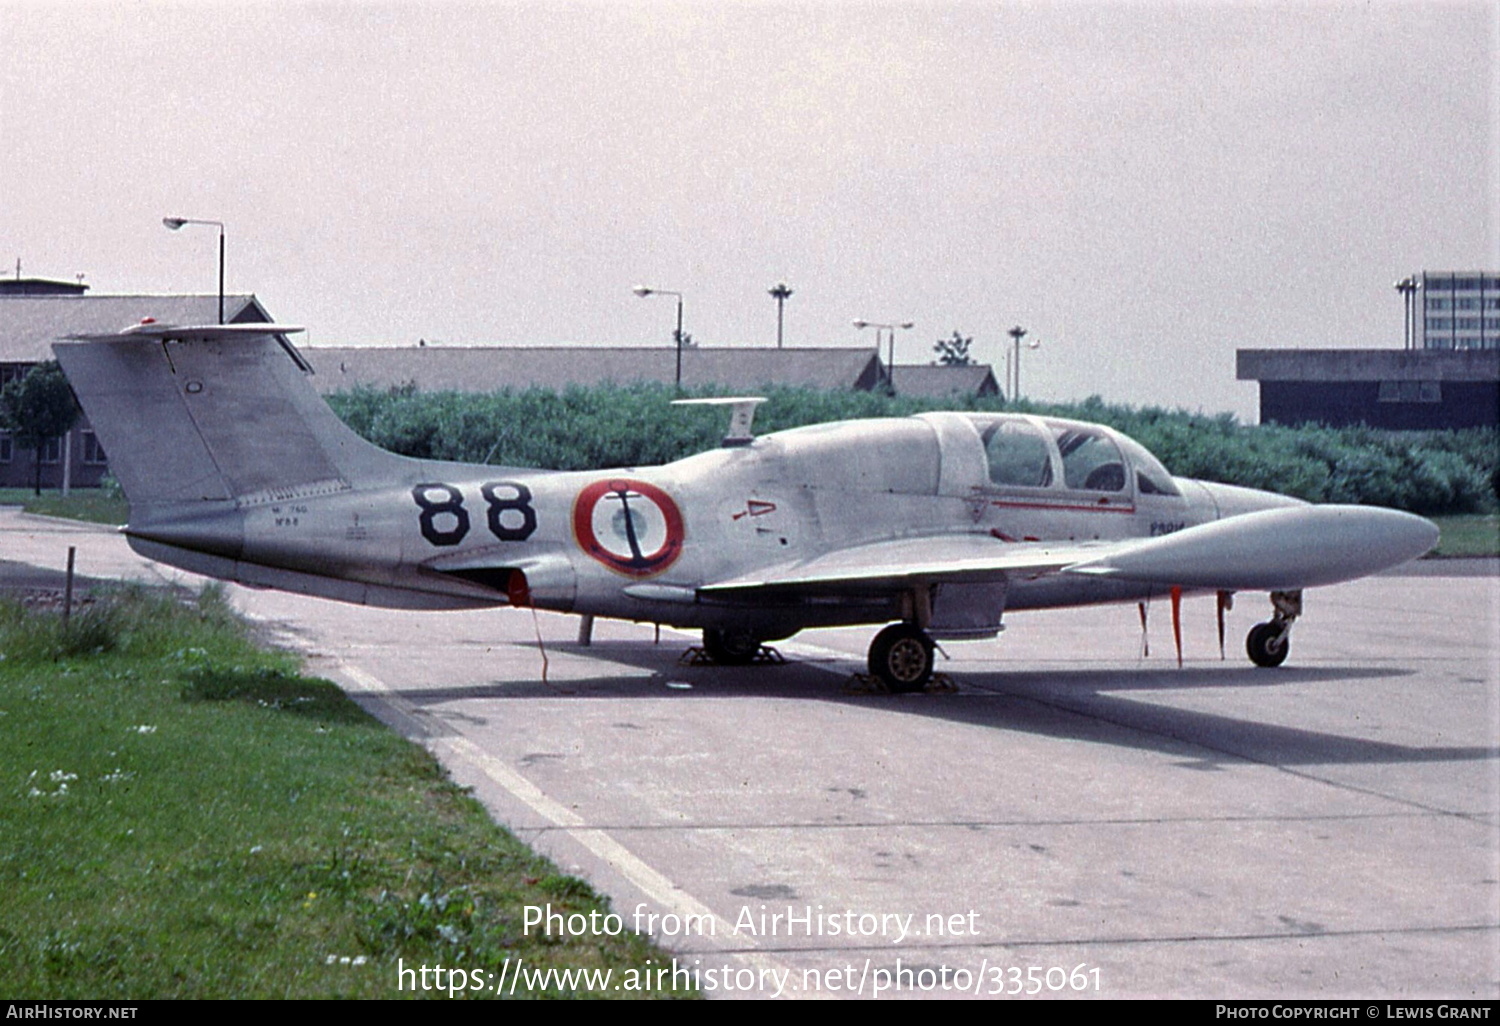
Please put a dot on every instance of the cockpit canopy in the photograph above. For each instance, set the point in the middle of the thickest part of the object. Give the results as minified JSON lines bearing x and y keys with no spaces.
{"x":1044,"y":452}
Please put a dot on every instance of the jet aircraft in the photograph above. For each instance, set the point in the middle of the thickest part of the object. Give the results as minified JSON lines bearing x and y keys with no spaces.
{"x":932,"y":525}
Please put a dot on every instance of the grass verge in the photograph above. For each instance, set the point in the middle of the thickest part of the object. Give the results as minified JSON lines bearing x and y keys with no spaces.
{"x":92,"y":504}
{"x":187,"y":817}
{"x":1474,"y":535}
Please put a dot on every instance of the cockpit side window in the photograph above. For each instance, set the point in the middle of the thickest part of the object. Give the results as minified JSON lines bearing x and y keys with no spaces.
{"x":1091,"y":460}
{"x":1018,"y":455}
{"x":1151,"y":478}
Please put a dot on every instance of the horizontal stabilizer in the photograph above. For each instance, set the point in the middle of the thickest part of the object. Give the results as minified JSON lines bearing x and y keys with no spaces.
{"x":208,"y":332}
{"x":1273,"y":550}
{"x":741,"y":415}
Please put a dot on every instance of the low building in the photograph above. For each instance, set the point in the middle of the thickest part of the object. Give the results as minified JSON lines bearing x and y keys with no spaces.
{"x":34,"y":313}
{"x":944,"y":381}
{"x":1399,"y":389}
{"x":491,"y":368}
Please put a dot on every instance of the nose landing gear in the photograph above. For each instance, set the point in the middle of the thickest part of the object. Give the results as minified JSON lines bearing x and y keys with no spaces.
{"x":1268,"y":643}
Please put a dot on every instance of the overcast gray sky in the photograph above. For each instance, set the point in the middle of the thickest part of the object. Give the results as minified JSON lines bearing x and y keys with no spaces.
{"x":1144,"y":186}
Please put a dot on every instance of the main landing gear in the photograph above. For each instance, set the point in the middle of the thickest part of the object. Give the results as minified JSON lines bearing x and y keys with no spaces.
{"x":901,"y":657}
{"x":1268,"y":643}
{"x":730,"y":647}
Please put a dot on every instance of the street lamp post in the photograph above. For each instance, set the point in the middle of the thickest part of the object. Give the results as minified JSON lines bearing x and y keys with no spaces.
{"x":890,"y":367}
{"x":175,"y":223}
{"x":1013,"y":371}
{"x":1408,"y":288}
{"x":643,"y":292}
{"x":780,"y":293}
{"x":1016,"y":334}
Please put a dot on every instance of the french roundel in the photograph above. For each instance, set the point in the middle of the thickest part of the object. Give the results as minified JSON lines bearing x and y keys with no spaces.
{"x":630,"y":526}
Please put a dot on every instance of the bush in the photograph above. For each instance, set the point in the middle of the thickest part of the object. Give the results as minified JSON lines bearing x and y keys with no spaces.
{"x":1429,"y":472}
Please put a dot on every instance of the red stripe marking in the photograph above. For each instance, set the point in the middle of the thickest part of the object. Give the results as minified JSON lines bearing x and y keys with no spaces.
{"x":1101,"y":508}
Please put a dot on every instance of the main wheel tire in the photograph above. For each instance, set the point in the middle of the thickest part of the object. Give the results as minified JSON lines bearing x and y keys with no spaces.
{"x":730,"y":648}
{"x":901,"y":656}
{"x":1268,"y":644}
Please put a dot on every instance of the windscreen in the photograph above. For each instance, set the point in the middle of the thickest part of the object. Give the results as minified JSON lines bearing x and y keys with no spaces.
{"x":1151,"y":478}
{"x":1091,"y":460}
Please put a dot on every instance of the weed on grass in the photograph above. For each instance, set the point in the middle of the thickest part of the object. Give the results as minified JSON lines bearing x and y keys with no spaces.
{"x":184,"y":815}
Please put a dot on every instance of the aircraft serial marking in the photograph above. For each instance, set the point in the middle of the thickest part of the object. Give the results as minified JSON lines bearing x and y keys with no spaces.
{"x":452,"y":506}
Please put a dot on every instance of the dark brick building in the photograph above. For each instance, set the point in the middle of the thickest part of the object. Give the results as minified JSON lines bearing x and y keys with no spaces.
{"x":35,"y":312}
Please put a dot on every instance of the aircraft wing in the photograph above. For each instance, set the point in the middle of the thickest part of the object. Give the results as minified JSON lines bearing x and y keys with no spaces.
{"x":884,"y":565}
{"x":1270,"y":550}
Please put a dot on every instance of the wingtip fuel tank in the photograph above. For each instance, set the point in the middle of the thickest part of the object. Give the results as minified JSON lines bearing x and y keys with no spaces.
{"x":1282,"y":549}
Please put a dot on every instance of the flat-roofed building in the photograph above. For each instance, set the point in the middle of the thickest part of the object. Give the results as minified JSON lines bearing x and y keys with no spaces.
{"x":1399,"y":389}
{"x":1458,"y":309}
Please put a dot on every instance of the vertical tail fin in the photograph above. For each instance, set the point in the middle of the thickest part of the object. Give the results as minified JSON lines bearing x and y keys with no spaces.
{"x":214,"y":414}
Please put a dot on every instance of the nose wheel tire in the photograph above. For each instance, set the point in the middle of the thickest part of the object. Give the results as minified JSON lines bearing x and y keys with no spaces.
{"x":1268,"y":644}
{"x":730,"y":648}
{"x":901,"y":657}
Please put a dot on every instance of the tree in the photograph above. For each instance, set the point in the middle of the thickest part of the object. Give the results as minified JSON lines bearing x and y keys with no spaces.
{"x":38,"y":408}
{"x":954,"y":352}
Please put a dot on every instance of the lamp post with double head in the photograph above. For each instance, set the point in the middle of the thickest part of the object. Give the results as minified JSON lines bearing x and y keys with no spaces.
{"x":779,"y":292}
{"x":1408,"y":288}
{"x":1017,"y":333}
{"x":890,"y":367}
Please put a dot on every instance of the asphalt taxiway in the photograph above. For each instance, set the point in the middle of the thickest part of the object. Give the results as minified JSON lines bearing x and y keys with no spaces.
{"x":1330,"y":829}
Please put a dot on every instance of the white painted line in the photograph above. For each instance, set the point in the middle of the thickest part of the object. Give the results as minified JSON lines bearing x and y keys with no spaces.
{"x":668,"y":896}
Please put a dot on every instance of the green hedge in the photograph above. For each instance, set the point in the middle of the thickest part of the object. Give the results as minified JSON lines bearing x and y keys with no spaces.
{"x":1430,"y":472}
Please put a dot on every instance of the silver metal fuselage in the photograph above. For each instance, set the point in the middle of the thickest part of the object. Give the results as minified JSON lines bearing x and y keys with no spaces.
{"x":640,"y":543}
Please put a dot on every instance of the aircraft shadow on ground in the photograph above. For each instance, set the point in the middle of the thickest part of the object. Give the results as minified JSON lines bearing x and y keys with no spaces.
{"x":1081,"y":705}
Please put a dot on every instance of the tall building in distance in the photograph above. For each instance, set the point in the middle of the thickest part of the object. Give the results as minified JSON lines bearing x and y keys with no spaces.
{"x":1458,"y":309}
{"x":1447,"y":375}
